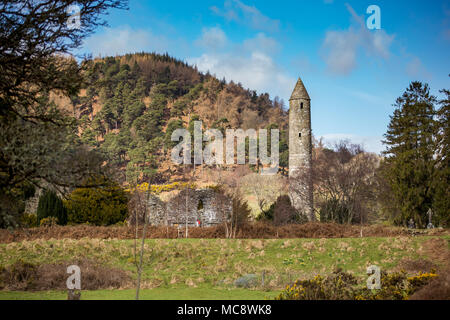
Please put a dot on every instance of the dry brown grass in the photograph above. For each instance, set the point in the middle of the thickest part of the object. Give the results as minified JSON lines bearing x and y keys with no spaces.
{"x":439,"y":288}
{"x":28,"y":277}
{"x":250,"y":231}
{"x":437,"y":250}
{"x":416,"y":266}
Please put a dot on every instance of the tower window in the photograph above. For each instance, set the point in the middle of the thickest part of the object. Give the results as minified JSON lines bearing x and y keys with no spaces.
{"x":301,"y":105}
{"x":300,"y":135}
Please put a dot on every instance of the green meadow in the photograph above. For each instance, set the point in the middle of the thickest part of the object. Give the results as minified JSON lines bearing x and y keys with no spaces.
{"x":208,"y":269}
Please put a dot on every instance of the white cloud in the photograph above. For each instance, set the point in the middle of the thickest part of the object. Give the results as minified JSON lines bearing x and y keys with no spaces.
{"x":212,"y":39}
{"x":261,"y":43}
{"x":122,"y":40}
{"x":250,"y":63}
{"x":369,"y":143}
{"x":342,"y":47}
{"x":256,"y":71}
{"x":380,"y":43}
{"x":236,"y":10}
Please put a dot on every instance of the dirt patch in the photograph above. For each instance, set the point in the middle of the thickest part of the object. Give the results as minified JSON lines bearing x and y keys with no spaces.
{"x":438,"y":250}
{"x":437,"y":289}
{"x":416,"y":266}
{"x":23,"y":276}
{"x":250,"y":231}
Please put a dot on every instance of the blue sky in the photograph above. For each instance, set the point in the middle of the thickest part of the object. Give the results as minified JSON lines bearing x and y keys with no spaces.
{"x":353,"y":74}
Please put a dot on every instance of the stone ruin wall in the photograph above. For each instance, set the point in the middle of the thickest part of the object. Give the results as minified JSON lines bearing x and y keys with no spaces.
{"x":207,"y":205}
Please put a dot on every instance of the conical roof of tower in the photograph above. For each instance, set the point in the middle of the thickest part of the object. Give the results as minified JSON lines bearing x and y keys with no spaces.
{"x":300,"y":91}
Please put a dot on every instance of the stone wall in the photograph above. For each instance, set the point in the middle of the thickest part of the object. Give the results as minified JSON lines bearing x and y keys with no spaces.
{"x":156,"y":210}
{"x":206,"y":205}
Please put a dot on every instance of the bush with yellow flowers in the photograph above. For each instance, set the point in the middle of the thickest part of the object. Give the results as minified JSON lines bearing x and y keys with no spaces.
{"x":158,"y":189}
{"x":337,"y":286}
{"x":344,"y":286}
{"x":48,"y":222}
{"x":397,"y":286}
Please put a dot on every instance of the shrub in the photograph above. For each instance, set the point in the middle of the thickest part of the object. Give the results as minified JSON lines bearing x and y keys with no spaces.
{"x":284,"y":212}
{"x":241,"y":211}
{"x":396,"y":286}
{"x":334,"y":210}
{"x":25,"y":276}
{"x":50,"y":205}
{"x":102,"y":206}
{"x":49,"y":222}
{"x":281,"y":212}
{"x":338,"y":286}
{"x":29,"y":220}
{"x":19,"y":276}
{"x":267,"y":215}
{"x":344,"y":286}
{"x":247,"y":281}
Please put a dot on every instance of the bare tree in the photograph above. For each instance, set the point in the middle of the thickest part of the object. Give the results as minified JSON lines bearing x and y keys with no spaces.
{"x":266,"y":189}
{"x":139,"y":207}
{"x":344,"y":182}
{"x":230,"y":190}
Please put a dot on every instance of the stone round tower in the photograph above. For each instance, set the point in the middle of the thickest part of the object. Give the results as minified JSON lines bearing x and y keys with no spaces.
{"x":300,"y":151}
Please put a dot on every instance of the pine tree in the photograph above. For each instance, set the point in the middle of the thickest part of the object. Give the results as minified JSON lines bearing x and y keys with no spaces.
{"x":410,"y":153}
{"x":441,"y":180}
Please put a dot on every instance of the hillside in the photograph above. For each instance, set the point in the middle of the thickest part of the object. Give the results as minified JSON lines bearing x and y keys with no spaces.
{"x":131,"y":104}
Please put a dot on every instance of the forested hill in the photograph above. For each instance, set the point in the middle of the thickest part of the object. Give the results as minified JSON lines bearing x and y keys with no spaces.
{"x":132,"y":104}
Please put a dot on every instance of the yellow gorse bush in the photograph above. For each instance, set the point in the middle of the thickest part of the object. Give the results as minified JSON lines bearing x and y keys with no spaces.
{"x":158,"y":189}
{"x":422,"y":278}
{"x":341,"y":286}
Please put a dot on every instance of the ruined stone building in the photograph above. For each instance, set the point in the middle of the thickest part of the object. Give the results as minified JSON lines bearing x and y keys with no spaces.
{"x":207,"y":206}
{"x":300,"y":151}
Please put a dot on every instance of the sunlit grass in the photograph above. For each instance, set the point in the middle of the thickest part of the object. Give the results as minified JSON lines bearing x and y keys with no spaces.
{"x":153,"y":294}
{"x":217,"y":263}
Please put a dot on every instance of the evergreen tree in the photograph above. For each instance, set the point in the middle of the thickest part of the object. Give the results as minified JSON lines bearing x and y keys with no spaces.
{"x":410,"y":154}
{"x":171,"y":127}
{"x":132,"y":112}
{"x":50,"y":205}
{"x":441,"y":180}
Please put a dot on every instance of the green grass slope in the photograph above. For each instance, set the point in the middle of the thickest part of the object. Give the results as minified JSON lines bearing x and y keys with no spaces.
{"x":207,"y":269}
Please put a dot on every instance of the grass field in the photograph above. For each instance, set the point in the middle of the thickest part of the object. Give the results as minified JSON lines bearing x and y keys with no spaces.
{"x":207,"y":269}
{"x":149,"y":294}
